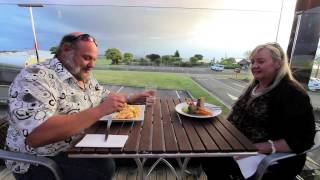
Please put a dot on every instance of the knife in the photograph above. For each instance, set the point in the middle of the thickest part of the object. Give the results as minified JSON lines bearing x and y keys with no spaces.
{"x":108,"y":129}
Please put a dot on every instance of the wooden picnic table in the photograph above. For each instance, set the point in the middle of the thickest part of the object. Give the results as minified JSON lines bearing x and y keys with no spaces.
{"x":164,"y":133}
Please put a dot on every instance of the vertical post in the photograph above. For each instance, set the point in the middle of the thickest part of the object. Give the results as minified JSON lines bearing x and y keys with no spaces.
{"x":305,"y":44}
{"x":279,"y":20}
{"x":34,"y":33}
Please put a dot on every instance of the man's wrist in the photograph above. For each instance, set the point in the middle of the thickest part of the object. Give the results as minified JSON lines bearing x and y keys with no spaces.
{"x":273,"y":147}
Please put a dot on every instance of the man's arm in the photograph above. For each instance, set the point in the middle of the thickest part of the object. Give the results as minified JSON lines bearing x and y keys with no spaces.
{"x":60,"y":127}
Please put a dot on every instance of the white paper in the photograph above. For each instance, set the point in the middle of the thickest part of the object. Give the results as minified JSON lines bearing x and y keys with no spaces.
{"x":249,"y":165}
{"x":97,"y":140}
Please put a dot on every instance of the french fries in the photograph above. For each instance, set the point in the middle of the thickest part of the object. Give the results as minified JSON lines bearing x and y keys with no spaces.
{"x":203,"y":111}
{"x":128,"y":112}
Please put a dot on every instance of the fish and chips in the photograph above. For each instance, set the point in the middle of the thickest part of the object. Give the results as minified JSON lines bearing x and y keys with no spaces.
{"x":198,"y":108}
{"x":128,"y":112}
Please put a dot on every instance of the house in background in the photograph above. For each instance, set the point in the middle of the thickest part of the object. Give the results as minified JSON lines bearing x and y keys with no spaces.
{"x":244,"y":64}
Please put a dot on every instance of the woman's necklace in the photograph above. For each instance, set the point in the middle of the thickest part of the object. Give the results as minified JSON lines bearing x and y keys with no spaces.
{"x":256,"y":92}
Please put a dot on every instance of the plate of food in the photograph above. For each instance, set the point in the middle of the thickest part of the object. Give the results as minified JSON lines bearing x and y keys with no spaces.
{"x":128,"y":113}
{"x":198,"y":109}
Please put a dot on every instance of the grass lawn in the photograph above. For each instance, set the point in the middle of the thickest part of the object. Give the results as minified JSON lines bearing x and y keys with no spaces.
{"x":160,"y":79}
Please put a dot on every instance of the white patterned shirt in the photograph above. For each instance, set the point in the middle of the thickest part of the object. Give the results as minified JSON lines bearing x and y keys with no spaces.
{"x":38,"y":92}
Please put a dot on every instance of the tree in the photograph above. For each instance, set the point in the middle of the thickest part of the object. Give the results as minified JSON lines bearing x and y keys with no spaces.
{"x":194,"y":60}
{"x":54,"y":49}
{"x":176,"y":54}
{"x":114,"y":54}
{"x":166,"y":59}
{"x":155,"y":58}
{"x":228,"y":61}
{"x":127,"y":58}
{"x":198,"y":56}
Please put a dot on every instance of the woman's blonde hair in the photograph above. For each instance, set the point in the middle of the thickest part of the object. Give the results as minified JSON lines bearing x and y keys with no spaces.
{"x":277,"y":55}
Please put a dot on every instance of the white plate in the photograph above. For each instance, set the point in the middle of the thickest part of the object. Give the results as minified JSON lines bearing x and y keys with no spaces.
{"x":140,"y":118}
{"x":215,"y":109}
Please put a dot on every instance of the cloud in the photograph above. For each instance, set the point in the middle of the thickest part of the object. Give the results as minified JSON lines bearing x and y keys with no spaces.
{"x":230,"y":28}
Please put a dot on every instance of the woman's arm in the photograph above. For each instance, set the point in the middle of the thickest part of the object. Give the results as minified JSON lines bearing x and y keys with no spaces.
{"x":279,"y":145}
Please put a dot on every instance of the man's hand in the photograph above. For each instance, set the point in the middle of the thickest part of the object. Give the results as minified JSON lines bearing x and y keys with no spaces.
{"x":141,"y":97}
{"x":113,"y":102}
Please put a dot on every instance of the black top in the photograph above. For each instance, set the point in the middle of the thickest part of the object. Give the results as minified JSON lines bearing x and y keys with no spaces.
{"x":284,"y":112}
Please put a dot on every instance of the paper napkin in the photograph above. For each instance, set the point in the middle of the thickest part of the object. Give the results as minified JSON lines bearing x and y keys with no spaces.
{"x":97,"y":140}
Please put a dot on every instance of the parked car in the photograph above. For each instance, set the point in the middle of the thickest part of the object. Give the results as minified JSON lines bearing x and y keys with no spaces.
{"x":314,"y":84}
{"x":237,"y":70}
{"x":217,"y":67}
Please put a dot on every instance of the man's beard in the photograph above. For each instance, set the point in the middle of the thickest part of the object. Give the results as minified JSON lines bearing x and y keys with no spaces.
{"x":73,"y":68}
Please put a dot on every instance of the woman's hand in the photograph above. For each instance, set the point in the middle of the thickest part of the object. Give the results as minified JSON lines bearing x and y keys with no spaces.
{"x":263,"y":147}
{"x":280,"y":146}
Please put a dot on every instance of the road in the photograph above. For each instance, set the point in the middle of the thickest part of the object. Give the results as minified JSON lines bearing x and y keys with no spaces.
{"x":227,"y":89}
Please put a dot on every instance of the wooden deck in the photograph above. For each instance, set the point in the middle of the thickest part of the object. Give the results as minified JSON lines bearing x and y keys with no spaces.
{"x":160,"y":173}
{"x":125,"y":173}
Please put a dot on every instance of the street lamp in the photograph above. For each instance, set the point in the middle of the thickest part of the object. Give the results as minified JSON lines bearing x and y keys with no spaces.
{"x":32,"y":24}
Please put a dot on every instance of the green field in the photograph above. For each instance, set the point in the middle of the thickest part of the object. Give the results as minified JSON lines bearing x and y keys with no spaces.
{"x":161,"y":80}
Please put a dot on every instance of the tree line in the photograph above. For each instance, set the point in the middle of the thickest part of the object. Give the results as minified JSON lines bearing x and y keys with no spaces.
{"x":117,"y":57}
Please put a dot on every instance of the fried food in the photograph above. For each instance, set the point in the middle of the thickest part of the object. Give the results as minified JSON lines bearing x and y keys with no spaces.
{"x":203,"y":111}
{"x":128,"y":112}
{"x":200,"y":102}
{"x":199,"y":108}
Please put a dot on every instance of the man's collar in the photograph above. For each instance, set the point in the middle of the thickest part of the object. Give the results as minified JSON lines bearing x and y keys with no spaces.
{"x":60,"y":69}
{"x":62,"y":72}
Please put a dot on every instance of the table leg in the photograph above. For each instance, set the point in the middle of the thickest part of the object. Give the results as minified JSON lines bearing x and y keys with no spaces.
{"x":184,"y":167}
{"x":167,"y":163}
{"x":140,"y":164}
{"x":179,"y":162}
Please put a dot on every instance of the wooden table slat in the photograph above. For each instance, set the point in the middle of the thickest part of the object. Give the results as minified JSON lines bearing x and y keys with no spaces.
{"x":125,"y":128}
{"x":157,"y":137}
{"x":181,"y":135}
{"x":133,"y":141}
{"x":192,"y":135}
{"x":233,"y":141}
{"x":169,"y":136}
{"x":243,"y":139}
{"x":216,"y":136}
{"x":146,"y":133}
{"x":207,"y":141}
{"x":194,"y":139}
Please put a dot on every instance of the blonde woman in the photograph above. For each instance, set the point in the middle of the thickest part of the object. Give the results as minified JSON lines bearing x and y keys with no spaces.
{"x":274,"y":112}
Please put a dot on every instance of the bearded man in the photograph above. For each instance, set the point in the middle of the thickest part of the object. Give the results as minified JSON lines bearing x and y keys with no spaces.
{"x":53,"y":102}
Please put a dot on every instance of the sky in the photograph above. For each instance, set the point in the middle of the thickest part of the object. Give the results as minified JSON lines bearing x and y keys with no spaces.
{"x":212,"y":28}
